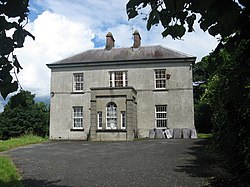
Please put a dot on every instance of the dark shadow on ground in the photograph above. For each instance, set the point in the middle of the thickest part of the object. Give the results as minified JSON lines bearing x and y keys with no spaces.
{"x":206,"y":165}
{"x":42,"y":183}
{"x":11,"y":183}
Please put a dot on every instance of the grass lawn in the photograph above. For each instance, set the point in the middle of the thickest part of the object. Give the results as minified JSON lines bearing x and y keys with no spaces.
{"x":9,"y":176}
{"x":205,"y":136}
{"x":21,"y":141}
{"x":8,"y":173}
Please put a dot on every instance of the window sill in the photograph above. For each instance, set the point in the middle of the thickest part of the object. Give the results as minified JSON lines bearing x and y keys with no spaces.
{"x":77,"y":92}
{"x":111,"y":130}
{"x":160,"y":90}
{"x":75,"y":130}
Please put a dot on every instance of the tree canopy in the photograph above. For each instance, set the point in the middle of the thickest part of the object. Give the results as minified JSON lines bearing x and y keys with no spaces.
{"x":25,"y":117}
{"x":177,"y":16}
{"x":18,"y":11}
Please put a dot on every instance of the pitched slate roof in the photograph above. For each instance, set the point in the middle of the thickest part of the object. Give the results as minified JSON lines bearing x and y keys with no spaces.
{"x":125,"y":54}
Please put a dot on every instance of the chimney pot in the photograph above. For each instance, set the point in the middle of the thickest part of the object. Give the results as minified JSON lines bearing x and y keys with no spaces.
{"x":137,"y":39}
{"x":110,"y":41}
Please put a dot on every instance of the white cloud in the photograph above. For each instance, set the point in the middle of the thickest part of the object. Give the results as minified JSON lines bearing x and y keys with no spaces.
{"x":102,"y":16}
{"x":98,"y":13}
{"x":56,"y":38}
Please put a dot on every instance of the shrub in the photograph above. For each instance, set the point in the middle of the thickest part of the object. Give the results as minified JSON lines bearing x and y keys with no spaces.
{"x":25,"y":118}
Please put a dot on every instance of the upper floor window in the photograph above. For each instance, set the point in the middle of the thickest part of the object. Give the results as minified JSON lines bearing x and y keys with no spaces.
{"x":118,"y":79}
{"x":77,"y":118}
{"x":78,"y":82}
{"x":160,"y":78}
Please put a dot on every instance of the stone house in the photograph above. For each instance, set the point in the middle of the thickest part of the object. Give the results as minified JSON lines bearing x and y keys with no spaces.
{"x":121,"y":93}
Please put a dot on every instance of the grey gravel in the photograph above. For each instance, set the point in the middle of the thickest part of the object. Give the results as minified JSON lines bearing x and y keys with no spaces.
{"x":161,"y":162}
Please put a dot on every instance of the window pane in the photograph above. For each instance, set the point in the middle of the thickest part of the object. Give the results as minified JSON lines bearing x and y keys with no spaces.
{"x":112,"y":123}
{"x":78,"y":122}
{"x":160,"y":78}
{"x":118,"y":79}
{"x":111,"y":116}
{"x":99,"y":120}
{"x":123,"y":120}
{"x":78,"y":81}
{"x":126,"y":78}
{"x":77,"y":117}
{"x":161,"y":116}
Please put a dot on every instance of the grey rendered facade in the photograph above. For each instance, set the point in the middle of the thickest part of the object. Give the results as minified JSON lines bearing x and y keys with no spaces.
{"x":122,"y":93}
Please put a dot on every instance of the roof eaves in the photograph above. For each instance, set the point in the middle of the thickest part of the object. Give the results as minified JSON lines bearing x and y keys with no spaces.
{"x":121,"y":62}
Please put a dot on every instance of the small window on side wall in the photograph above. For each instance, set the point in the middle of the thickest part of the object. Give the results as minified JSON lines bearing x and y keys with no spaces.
{"x":78,"y":82}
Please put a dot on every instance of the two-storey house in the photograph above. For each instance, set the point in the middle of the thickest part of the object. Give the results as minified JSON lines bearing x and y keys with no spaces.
{"x":121,"y":93}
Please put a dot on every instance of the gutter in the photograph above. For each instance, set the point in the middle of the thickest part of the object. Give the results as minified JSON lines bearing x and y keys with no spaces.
{"x":121,"y":62}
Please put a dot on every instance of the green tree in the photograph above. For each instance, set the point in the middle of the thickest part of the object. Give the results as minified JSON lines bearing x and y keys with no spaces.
{"x":178,"y":16}
{"x":17,"y":9}
{"x":228,"y":93}
{"x":26,"y":117}
{"x":200,"y":78}
{"x":203,"y":117}
{"x":202,"y":110}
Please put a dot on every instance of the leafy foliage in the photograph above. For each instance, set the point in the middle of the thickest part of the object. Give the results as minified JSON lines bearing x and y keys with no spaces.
{"x":228,"y":93}
{"x":202,"y":110}
{"x":203,"y":114}
{"x":178,"y":16}
{"x":25,"y":118}
{"x":17,"y":9}
{"x":224,"y":102}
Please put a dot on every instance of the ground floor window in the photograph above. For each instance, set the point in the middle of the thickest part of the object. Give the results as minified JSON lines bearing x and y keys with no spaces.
{"x":111,"y":116}
{"x":123,"y":120}
{"x":161,"y":116}
{"x":99,"y":120}
{"x":77,"y":118}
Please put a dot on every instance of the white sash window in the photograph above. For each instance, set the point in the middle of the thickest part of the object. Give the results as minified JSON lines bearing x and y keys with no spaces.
{"x":118,"y":79}
{"x":161,"y":116}
{"x":77,"y":118}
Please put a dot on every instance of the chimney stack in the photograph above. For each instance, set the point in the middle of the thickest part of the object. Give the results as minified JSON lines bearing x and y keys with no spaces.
{"x":137,"y":39}
{"x":110,"y":41}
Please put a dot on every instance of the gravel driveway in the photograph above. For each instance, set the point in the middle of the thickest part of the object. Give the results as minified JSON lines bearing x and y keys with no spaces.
{"x":173,"y":162}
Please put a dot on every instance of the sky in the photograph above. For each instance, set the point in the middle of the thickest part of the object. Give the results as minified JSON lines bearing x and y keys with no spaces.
{"x":65,"y":27}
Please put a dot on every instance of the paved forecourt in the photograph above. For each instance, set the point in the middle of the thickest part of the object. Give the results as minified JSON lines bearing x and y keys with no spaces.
{"x":171,"y":162}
